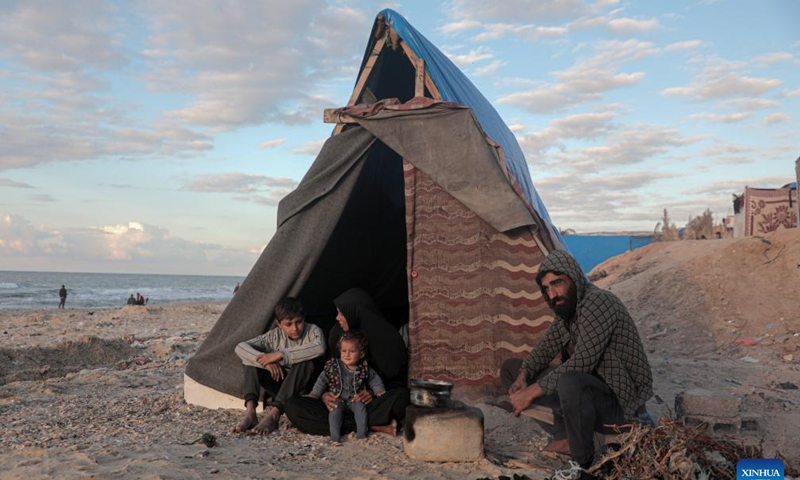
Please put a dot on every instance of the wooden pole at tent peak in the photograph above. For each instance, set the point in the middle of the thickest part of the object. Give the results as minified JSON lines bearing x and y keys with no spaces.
{"x":422,"y":80}
{"x":428,"y":81}
{"x":363,"y":77}
{"x":419,"y":80}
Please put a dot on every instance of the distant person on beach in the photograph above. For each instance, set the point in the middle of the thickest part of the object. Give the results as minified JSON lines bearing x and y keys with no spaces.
{"x":604,"y":378}
{"x":345,"y":377}
{"x":283,"y":361}
{"x":62,"y":294}
{"x":140,"y":300}
{"x":236,"y":288}
{"x":131,"y":300}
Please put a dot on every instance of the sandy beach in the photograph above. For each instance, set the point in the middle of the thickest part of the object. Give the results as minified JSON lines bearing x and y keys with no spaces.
{"x":99,"y":393}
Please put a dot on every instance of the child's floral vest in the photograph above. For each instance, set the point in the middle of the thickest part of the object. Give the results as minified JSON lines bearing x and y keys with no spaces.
{"x":333,"y":370}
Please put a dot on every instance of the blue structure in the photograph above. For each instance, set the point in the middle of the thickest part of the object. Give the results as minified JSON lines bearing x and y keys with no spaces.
{"x":592,"y":250}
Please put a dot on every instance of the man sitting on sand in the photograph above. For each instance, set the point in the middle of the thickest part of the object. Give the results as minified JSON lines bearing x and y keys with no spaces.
{"x":605,"y":376}
{"x":282,"y":361}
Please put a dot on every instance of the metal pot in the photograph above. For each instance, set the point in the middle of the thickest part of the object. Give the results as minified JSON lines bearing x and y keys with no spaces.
{"x":430,"y":393}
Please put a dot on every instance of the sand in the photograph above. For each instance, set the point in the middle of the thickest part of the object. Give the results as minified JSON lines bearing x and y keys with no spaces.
{"x":98,"y":393}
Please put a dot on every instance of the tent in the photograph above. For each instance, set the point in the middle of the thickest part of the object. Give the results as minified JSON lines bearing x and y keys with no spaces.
{"x":762,"y":210}
{"x":423,"y":198}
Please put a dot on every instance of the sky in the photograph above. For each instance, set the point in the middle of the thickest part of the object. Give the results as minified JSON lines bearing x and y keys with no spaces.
{"x":146,"y":136}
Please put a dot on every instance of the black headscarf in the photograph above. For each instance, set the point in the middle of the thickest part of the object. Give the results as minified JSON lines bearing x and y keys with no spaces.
{"x":386,"y":351}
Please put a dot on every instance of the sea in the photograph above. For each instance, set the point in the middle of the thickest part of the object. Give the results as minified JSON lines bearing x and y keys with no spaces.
{"x":36,"y":290}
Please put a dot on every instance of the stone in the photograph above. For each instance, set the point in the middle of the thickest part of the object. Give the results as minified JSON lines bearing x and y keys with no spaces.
{"x":716,"y":425}
{"x":700,"y":402}
{"x":750,"y":423}
{"x":453,"y":434}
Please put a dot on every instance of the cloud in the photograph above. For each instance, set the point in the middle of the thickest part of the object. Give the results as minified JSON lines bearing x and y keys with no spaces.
{"x":586,"y":80}
{"x":791,"y":93}
{"x":494,"y":31}
{"x":310,"y":148}
{"x":459,"y":27}
{"x":727,"y":187}
{"x":615,"y":25}
{"x":489,"y":69}
{"x":62,"y":63}
{"x":272,"y":198}
{"x":722,"y":118}
{"x":476,"y":55}
{"x":575,"y":87}
{"x":18,"y":237}
{"x":517,"y":10}
{"x":720,"y":78}
{"x":586,"y":202}
{"x":630,"y":26}
{"x":56,"y":106}
{"x":8,"y":183}
{"x":585,"y":126}
{"x":725,"y":149}
{"x":629,"y":145}
{"x":32,"y":139}
{"x":540,"y":20}
{"x":232,"y":87}
{"x":62,"y":37}
{"x":272,"y":143}
{"x":774,"y":58}
{"x":776,"y":118}
{"x":42,"y":197}
{"x":517,"y":127}
{"x":236,"y":183}
{"x":685,"y":45}
{"x":125,"y":247}
{"x":749,"y":104}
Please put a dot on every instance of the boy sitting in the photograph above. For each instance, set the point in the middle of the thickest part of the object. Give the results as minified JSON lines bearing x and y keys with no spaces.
{"x":282,"y":361}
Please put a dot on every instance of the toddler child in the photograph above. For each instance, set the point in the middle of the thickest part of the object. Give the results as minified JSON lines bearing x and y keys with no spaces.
{"x":345,"y":377}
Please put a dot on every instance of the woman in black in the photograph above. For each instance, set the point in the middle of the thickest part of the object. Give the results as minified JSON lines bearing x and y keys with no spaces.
{"x":386,"y":354}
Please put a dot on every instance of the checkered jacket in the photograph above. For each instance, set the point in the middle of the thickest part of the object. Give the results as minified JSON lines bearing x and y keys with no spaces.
{"x":603,"y":335}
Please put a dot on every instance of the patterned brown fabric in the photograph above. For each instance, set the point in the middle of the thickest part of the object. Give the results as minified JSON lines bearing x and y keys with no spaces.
{"x":473,"y":299}
{"x":767,"y":210}
{"x":604,"y":337}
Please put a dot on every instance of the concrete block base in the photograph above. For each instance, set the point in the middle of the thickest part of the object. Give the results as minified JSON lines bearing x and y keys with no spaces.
{"x":444,"y":434}
{"x":705,"y":403}
{"x":718,"y":425}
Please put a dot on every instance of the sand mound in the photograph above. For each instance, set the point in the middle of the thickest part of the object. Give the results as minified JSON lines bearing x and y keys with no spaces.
{"x":38,"y":363}
{"x":703,"y":296}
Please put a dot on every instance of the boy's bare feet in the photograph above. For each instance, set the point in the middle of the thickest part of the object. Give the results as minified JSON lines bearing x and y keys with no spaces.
{"x":269,"y":423}
{"x":249,"y":421}
{"x":558,"y":446}
{"x":390,"y":429}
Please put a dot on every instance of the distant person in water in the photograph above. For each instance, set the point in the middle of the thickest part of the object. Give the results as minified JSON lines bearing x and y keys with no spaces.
{"x":63,"y":296}
{"x":131,"y":300}
{"x":236,"y":288}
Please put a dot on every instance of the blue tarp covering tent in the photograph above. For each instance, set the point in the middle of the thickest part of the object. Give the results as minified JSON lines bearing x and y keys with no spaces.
{"x":592,"y":250}
{"x":454,"y":86}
